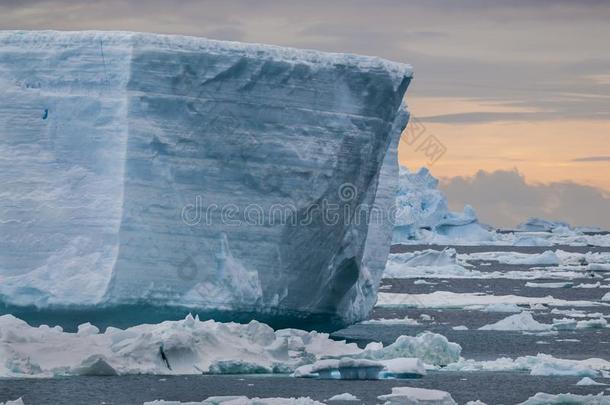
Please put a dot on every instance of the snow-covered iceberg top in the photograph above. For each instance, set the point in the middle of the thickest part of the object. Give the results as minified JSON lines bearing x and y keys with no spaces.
{"x":66,"y":39}
{"x":143,"y":169}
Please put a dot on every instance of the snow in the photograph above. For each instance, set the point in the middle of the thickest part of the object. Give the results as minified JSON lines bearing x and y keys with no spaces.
{"x":416,"y":396}
{"x":588,"y":381}
{"x":129,"y":147}
{"x":518,"y":322}
{"x":192,"y":346}
{"x":344,"y":397}
{"x":448,"y":299}
{"x":423,"y":214}
{"x":550,"y":399}
{"x":242,"y":400}
{"x":606,"y":297}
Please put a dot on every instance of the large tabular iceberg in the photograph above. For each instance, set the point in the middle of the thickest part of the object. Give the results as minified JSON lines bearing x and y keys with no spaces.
{"x":140,"y":169}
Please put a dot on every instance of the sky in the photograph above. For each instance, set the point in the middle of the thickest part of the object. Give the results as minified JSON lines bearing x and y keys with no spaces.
{"x":516,"y":91}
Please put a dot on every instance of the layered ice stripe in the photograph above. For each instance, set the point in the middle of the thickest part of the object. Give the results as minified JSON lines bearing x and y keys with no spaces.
{"x":188,"y":172}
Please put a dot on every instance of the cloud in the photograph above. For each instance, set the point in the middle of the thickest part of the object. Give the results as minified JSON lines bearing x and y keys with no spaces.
{"x":504,"y":198}
{"x":592,"y":159}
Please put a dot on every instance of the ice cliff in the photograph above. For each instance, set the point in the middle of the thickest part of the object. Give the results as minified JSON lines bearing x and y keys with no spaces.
{"x":141,"y":169}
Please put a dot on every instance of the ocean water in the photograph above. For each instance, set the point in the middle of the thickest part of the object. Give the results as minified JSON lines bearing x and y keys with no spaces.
{"x":490,"y":387}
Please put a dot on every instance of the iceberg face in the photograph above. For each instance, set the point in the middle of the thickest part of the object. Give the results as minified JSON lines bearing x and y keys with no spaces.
{"x":178,"y":171}
{"x":423,"y":214}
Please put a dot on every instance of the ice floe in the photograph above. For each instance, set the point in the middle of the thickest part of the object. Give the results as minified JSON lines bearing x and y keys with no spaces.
{"x":588,"y":381}
{"x":518,"y":322}
{"x":564,"y":399}
{"x":448,"y":299}
{"x":416,"y":396}
{"x":540,"y":365}
{"x":392,"y":321}
{"x":346,"y":396}
{"x":191,"y":346}
{"x":566,"y":284}
{"x":18,"y":401}
{"x":242,"y":400}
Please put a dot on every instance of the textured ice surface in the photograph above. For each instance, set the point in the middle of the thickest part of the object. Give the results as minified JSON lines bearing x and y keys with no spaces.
{"x":167,"y":170}
{"x":422,"y":213}
{"x":191,"y":346}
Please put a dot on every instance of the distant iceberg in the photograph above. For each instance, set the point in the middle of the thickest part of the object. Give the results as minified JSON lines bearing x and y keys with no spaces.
{"x":423,"y":213}
{"x":142,"y":169}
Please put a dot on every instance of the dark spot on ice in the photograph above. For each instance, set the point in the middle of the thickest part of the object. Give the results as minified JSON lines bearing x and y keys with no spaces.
{"x":45,"y":114}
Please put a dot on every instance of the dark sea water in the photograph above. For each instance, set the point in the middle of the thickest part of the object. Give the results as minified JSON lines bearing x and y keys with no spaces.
{"x":490,"y":387}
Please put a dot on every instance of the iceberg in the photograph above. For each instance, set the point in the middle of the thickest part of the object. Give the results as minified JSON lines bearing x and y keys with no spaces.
{"x":422,"y":213}
{"x":191,"y":346}
{"x":543,"y":225}
{"x":519,"y":322}
{"x":152,"y":170}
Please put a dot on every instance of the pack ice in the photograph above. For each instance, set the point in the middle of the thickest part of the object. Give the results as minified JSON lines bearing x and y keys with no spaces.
{"x":179,"y":171}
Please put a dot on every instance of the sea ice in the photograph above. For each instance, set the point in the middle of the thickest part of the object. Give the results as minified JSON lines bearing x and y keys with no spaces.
{"x":425,"y":263}
{"x":563,"y":399}
{"x":346,"y":396}
{"x":588,"y":381}
{"x":18,"y":401}
{"x":541,"y":365}
{"x":417,"y":396}
{"x":518,"y":322}
{"x":191,"y":346}
{"x":566,"y":284}
{"x":242,"y":400}
{"x":448,"y":299}
{"x":392,"y":321}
